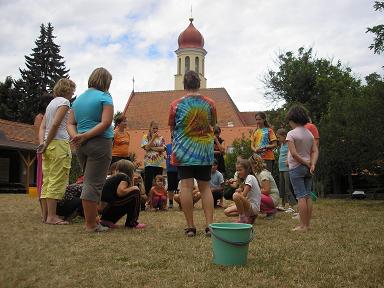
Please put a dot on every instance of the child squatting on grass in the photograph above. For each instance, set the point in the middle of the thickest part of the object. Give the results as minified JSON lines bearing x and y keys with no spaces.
{"x":302,"y":158}
{"x":119,"y":197}
{"x":158,"y":194}
{"x":247,"y":198}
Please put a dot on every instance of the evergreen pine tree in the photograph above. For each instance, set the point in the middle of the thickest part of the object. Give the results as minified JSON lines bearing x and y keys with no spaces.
{"x":44,"y":67}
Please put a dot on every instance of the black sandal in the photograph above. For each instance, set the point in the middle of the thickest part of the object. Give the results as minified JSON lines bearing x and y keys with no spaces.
{"x":190,"y":232}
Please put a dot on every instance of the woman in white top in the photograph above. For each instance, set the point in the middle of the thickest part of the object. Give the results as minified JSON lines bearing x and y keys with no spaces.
{"x":54,"y":145}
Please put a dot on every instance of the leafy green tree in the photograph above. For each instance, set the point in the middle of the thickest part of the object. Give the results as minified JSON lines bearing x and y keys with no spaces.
{"x":240,"y":147}
{"x":8,"y":100}
{"x":44,"y":67}
{"x":378,"y":45}
{"x":308,"y":80}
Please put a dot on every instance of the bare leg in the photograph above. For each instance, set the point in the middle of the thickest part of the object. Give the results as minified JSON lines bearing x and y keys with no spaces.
{"x":309,"y":205}
{"x":186,"y":200}
{"x":303,"y":212}
{"x":207,"y":201}
{"x":44,"y":209}
{"x":90,"y":214}
{"x":52,"y":218}
{"x":231,"y":211}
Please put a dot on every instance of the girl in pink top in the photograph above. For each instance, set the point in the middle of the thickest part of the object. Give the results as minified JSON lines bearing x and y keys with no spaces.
{"x":302,"y":158}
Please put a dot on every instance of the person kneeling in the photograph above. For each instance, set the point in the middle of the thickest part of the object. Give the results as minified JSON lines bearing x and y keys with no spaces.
{"x":119,"y":197}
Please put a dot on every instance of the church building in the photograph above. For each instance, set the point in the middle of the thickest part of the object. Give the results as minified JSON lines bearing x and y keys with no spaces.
{"x":144,"y":107}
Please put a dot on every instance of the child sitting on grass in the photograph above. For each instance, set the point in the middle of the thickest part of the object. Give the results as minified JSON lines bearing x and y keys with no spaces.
{"x":268,"y":187}
{"x":247,"y":197}
{"x":119,"y":197}
{"x":158,"y":194}
{"x":195,"y":194}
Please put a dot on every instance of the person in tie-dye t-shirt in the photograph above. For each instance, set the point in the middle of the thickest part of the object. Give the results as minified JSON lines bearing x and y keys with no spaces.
{"x":191,"y":120}
{"x":264,"y":141}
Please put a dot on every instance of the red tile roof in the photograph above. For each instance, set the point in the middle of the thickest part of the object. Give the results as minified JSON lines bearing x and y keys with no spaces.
{"x":144,"y":107}
{"x":17,"y":135}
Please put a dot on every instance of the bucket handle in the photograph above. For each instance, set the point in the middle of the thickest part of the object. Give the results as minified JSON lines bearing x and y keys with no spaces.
{"x":233,"y":242}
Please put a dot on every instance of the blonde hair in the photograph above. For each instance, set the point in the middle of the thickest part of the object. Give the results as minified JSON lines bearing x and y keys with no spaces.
{"x":160,"y":178}
{"x":100,"y":79}
{"x":64,"y":87}
{"x":257,"y":164}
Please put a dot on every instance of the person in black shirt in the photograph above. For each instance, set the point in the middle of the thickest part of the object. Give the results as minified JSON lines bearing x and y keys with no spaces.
{"x":119,"y":197}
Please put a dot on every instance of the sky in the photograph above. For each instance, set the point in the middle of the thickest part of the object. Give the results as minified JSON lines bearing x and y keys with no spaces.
{"x":133,"y":38}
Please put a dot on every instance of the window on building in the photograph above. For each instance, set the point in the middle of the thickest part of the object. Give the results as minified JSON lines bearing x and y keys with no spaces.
{"x":179,"y":67}
{"x":187,"y":64}
{"x":197,"y":64}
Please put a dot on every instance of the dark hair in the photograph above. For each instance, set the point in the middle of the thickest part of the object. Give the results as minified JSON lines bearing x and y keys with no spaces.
{"x":112,"y":168}
{"x":264,"y":117}
{"x":215,"y":162}
{"x":158,"y":177}
{"x":126,"y":167}
{"x":298,"y":114}
{"x":191,"y":80}
{"x":119,"y":119}
{"x":217,"y":130}
{"x":45,"y":99}
{"x":281,"y":132}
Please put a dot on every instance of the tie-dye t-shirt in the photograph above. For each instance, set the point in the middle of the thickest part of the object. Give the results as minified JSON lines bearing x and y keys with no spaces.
{"x":261,"y":138}
{"x":153,"y":158}
{"x":192,"y":119}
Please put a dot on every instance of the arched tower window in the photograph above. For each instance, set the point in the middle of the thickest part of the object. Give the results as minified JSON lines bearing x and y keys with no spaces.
{"x":179,"y":67}
{"x":197,"y":65}
{"x":187,"y":64}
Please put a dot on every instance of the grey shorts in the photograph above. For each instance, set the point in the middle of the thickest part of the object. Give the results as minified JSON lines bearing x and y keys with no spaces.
{"x":95,"y":157}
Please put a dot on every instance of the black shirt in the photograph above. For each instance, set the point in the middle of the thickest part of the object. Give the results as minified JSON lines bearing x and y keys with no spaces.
{"x":109,"y":192}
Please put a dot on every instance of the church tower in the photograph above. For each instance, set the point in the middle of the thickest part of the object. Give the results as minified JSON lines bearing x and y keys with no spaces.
{"x":190,"y":56}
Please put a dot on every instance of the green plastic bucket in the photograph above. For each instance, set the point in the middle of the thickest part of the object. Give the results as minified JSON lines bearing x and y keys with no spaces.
{"x":230,"y":243}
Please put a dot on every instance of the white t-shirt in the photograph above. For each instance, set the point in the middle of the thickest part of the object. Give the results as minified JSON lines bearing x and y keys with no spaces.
{"x":303,"y":140}
{"x":50,"y":113}
{"x":254,"y":195}
{"x":274,"y":192}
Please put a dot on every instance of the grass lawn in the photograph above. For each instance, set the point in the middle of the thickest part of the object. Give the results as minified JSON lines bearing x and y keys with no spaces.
{"x":345,"y":248}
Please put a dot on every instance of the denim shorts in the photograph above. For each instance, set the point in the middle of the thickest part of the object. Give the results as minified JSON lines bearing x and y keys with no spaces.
{"x":301,"y":180}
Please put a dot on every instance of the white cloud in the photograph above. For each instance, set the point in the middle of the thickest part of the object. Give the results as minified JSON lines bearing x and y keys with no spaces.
{"x":242,"y":39}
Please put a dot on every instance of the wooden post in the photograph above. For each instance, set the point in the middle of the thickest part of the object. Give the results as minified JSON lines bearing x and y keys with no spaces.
{"x":28,"y":163}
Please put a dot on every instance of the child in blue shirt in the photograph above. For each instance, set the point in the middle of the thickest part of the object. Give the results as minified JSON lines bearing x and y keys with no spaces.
{"x":285,"y":190}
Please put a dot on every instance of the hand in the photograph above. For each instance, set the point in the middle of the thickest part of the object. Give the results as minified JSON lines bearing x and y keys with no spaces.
{"x":312,"y":169}
{"x":41,"y":148}
{"x":78,"y":139}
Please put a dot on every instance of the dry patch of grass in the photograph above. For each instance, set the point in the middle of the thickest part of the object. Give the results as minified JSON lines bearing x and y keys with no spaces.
{"x":344,"y":249}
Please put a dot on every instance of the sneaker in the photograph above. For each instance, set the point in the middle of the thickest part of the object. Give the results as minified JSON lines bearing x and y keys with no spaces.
{"x":280,"y":208}
{"x":289,"y":210}
{"x":140,"y":226}
{"x":207,"y":232}
{"x":190,"y":232}
{"x":98,"y":228}
{"x":296,"y":216}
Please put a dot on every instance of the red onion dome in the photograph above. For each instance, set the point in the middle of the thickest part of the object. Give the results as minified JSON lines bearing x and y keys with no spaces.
{"x":191,"y":37}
